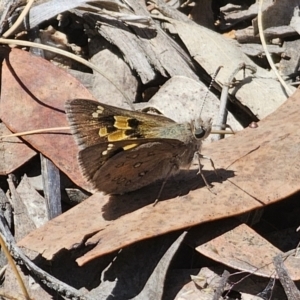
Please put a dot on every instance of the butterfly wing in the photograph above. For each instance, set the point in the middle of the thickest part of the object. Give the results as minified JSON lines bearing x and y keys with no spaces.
{"x":125,"y":166}
{"x":94,"y":122}
{"x":123,"y":150}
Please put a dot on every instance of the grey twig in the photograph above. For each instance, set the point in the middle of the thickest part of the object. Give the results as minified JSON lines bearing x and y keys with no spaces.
{"x":287,"y":283}
{"x":50,"y":281}
{"x":218,"y":293}
{"x":222,"y":117}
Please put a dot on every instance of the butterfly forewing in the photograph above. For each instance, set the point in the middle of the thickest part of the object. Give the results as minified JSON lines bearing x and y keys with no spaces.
{"x":93,"y":122}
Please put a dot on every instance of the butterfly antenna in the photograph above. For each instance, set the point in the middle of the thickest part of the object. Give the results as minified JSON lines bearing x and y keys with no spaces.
{"x":209,"y":87}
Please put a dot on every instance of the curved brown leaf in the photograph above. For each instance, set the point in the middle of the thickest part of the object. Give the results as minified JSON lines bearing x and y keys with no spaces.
{"x":13,"y":152}
{"x":33,"y":94}
{"x":258,"y":167}
{"x":238,"y":248}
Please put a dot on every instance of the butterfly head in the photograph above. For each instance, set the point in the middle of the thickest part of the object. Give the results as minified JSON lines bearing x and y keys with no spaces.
{"x":201,"y":128}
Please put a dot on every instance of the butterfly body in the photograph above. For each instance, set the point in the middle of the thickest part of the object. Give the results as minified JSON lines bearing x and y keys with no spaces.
{"x":123,"y":150}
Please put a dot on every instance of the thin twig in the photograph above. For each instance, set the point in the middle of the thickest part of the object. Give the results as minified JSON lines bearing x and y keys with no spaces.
{"x":14,"y":268}
{"x":66,"y":54}
{"x":264,"y":44}
{"x":42,"y":130}
{"x":20,"y":19}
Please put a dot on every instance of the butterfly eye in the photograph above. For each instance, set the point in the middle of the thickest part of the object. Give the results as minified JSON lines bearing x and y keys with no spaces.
{"x":199,"y":132}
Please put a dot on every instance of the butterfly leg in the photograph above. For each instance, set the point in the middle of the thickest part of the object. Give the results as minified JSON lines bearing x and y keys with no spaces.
{"x":164,"y":183}
{"x":199,"y":155}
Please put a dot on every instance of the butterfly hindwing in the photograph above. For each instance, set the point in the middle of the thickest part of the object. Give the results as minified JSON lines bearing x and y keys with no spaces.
{"x":125,"y":166}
